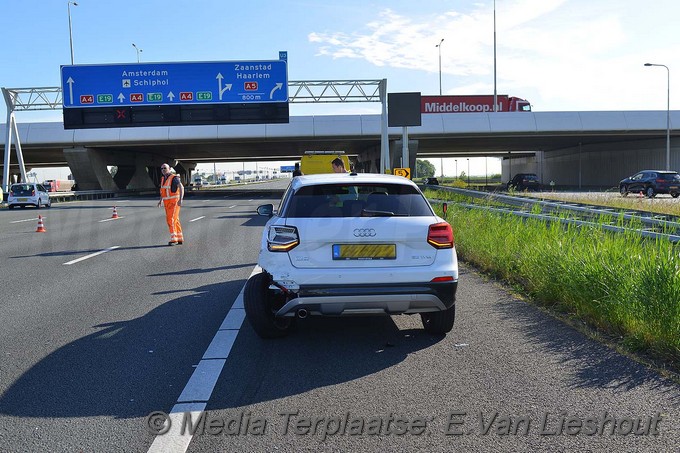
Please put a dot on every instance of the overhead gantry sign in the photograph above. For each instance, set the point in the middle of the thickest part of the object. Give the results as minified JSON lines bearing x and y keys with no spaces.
{"x":171,"y":94}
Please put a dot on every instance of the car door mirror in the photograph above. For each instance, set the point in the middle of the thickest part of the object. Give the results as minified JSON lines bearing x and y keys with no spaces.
{"x":266,"y":210}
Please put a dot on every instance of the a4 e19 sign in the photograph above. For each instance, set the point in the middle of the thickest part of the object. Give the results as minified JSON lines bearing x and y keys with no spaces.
{"x":153,"y":94}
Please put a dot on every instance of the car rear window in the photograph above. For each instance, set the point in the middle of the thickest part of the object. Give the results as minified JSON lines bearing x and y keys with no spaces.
{"x":669,"y":176}
{"x":21,"y":189}
{"x":363,"y":200}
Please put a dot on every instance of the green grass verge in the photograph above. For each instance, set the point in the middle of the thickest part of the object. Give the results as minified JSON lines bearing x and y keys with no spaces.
{"x":620,"y":284}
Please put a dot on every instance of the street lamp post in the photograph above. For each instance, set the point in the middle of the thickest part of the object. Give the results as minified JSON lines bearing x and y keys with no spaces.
{"x":668,"y":114}
{"x":456,"y":168}
{"x":439,"y":46}
{"x":70,"y":30}
{"x":138,"y":51}
{"x":468,"y":175}
{"x":495,"y":96}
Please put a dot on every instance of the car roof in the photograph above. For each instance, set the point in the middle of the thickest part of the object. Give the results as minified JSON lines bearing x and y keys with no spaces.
{"x":349,"y":178}
{"x":657,"y":171}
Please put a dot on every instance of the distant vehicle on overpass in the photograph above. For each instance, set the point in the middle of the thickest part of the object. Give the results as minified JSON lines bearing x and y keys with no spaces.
{"x":472,"y":104}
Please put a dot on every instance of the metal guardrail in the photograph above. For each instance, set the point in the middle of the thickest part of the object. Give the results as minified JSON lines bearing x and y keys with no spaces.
{"x":81,"y":195}
{"x":522,"y":202}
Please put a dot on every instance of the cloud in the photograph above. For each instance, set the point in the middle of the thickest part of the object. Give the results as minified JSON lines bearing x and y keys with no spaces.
{"x":571,"y":54}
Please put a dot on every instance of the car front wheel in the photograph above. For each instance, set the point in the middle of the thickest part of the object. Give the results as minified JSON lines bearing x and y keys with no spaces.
{"x":260,"y":305}
{"x":439,"y":322}
{"x":623,"y":190}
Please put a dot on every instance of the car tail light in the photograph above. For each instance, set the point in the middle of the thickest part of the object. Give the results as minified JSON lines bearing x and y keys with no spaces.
{"x":440,"y":235}
{"x":282,"y":238}
{"x":661,"y":181}
{"x":33,"y":193}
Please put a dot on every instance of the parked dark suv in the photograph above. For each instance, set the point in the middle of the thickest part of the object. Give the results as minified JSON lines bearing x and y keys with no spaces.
{"x":524,"y":181}
{"x":651,"y":182}
{"x":431,"y":181}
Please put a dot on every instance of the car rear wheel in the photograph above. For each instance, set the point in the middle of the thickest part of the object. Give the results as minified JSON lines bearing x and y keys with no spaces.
{"x":260,"y":305}
{"x":439,"y":322}
{"x":650,"y":192}
{"x":675,"y":194}
{"x":623,"y":190}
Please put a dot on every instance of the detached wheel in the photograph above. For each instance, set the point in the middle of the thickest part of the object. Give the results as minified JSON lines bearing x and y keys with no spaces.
{"x":650,"y":192}
{"x":439,"y":322}
{"x":261,"y":304}
{"x":623,"y":190}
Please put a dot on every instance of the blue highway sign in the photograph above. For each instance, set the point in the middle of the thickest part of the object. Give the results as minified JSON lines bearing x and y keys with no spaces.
{"x":140,"y":84}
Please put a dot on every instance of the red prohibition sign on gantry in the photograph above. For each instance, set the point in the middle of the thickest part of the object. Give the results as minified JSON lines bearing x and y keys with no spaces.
{"x":120,"y":114}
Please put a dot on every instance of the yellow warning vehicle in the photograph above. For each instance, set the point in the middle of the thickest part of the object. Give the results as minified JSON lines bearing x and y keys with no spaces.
{"x":317,"y":162}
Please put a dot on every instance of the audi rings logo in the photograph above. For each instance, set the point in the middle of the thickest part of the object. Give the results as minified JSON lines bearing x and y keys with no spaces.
{"x":364,"y":232}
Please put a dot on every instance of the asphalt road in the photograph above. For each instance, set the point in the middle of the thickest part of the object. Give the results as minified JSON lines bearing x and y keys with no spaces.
{"x":89,"y":349}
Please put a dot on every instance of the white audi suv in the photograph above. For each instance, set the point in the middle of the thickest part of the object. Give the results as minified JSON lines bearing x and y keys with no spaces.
{"x":352,"y":244}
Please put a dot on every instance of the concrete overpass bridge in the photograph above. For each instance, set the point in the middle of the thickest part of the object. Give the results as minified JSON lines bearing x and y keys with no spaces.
{"x":572,"y":148}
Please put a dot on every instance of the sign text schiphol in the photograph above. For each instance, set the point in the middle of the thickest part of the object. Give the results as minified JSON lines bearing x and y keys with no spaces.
{"x":143,"y":84}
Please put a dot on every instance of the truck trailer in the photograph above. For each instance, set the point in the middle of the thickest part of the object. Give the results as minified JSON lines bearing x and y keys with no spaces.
{"x":58,"y":185}
{"x":472,"y":104}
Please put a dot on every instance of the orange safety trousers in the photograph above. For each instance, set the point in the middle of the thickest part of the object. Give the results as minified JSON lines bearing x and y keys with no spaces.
{"x":172,"y":217}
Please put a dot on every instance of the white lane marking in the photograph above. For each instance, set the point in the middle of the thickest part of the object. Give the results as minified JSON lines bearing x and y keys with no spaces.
{"x":91,"y":255}
{"x":174,"y":440}
{"x":205,"y":201}
{"x":232,"y":206}
{"x":112,"y":218}
{"x":202,"y":381}
{"x":223,"y":341}
{"x":197,"y":391}
{"x":27,"y":220}
{"x":197,"y":218}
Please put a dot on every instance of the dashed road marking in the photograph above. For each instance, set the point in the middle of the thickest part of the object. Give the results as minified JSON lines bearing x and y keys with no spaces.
{"x":196,"y":394}
{"x":92,"y":255}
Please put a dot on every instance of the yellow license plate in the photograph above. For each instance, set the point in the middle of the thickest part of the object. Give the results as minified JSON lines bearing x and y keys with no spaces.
{"x":364,"y":251}
{"x":22,"y":199}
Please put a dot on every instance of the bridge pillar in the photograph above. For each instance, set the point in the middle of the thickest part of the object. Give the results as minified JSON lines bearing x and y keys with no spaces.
{"x":396,"y":152}
{"x":368,"y":161}
{"x":88,"y":167}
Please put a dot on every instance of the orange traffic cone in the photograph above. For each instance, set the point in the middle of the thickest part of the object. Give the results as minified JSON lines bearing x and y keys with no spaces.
{"x":115,"y":213}
{"x":41,"y":227}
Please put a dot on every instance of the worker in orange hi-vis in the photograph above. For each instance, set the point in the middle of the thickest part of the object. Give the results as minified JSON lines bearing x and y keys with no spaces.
{"x":172,"y":194}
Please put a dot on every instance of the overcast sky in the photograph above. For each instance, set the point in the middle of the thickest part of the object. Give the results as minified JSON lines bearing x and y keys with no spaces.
{"x":558,"y":54}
